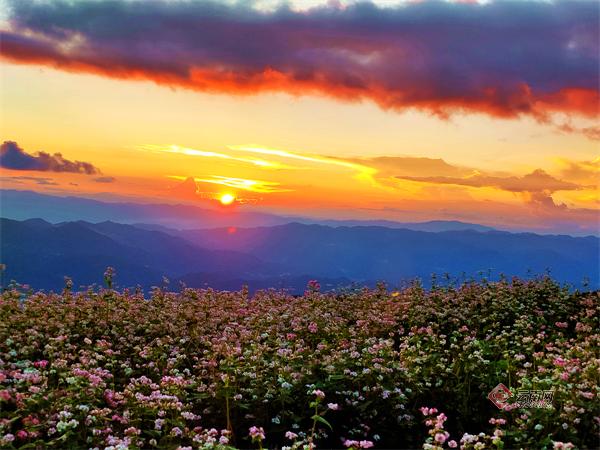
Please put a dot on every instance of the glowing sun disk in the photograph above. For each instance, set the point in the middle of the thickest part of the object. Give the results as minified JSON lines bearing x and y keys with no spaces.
{"x":227,"y":199}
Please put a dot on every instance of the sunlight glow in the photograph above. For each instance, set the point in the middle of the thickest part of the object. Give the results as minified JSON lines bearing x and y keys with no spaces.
{"x":245,"y":184}
{"x":227,"y":199}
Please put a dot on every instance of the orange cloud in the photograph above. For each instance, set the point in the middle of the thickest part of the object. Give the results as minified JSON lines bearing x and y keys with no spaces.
{"x":399,"y":58}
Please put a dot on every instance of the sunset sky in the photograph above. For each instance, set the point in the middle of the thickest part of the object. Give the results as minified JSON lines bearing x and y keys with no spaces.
{"x":482,"y":112}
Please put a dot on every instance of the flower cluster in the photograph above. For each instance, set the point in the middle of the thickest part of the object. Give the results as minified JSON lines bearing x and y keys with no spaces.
{"x":357,"y":369}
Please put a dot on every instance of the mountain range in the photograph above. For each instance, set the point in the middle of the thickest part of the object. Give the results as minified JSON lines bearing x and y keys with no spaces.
{"x":40,"y":253}
{"x":22,"y":205}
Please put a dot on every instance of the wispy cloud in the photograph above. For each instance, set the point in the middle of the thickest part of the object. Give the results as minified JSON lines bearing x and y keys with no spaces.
{"x":584,"y":172}
{"x":536,"y":181}
{"x":363,"y":172}
{"x":245,"y":184}
{"x":37,"y":180}
{"x":209,"y":154}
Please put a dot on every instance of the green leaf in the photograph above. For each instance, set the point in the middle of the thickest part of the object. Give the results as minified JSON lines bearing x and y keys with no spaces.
{"x":322,"y":420}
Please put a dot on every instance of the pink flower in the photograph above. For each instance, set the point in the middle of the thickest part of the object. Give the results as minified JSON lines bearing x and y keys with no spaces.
{"x":40,"y":364}
{"x":428,"y":411}
{"x":313,"y":286}
{"x":290,"y":435}
{"x":333,"y":406}
{"x":22,"y":434}
{"x":365,"y":444}
{"x":257,"y":433}
{"x":313,"y":327}
{"x":493,"y":421}
{"x":440,"y":437}
{"x":319,"y":393}
{"x":452,"y":444}
{"x":350,"y":443}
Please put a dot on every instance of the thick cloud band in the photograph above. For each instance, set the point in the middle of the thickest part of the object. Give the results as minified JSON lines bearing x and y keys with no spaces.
{"x":505,"y":58}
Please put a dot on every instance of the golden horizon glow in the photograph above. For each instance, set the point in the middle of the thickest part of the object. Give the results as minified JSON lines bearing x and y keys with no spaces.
{"x":289,"y":159}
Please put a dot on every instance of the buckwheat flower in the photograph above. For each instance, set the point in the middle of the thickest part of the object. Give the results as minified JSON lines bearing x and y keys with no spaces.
{"x":22,"y":434}
{"x":189,"y":415}
{"x":319,"y":393}
{"x":351,"y":443}
{"x":176,"y":431}
{"x":8,"y":438}
{"x":562,"y":445}
{"x":290,"y":435}
{"x":184,"y":448}
{"x":333,"y":406}
{"x":158,"y":424}
{"x":365,"y":444}
{"x":440,"y":437}
{"x":452,"y":444}
{"x":223,"y":440}
{"x":40,"y":364}
{"x":313,"y":327}
{"x":257,"y":433}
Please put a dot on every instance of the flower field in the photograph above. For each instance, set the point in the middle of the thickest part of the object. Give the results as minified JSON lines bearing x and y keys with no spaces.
{"x":356,"y":369}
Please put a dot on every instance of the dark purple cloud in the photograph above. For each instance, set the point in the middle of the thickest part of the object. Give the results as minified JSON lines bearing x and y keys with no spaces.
{"x":105,"y":179}
{"x":14,"y":157}
{"x":504,"y":58}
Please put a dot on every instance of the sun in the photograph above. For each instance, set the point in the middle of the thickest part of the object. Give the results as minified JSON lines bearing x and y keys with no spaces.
{"x":227,"y":199}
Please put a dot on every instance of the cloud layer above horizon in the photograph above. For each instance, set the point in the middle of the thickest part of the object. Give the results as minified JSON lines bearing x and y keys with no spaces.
{"x":15,"y":158}
{"x":502,"y":58}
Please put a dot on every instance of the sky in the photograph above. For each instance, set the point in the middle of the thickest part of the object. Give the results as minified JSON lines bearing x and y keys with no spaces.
{"x":483,"y":112}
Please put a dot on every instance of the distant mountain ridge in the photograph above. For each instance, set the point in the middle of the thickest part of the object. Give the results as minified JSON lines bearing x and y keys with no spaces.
{"x":22,"y":205}
{"x":39,"y":253}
